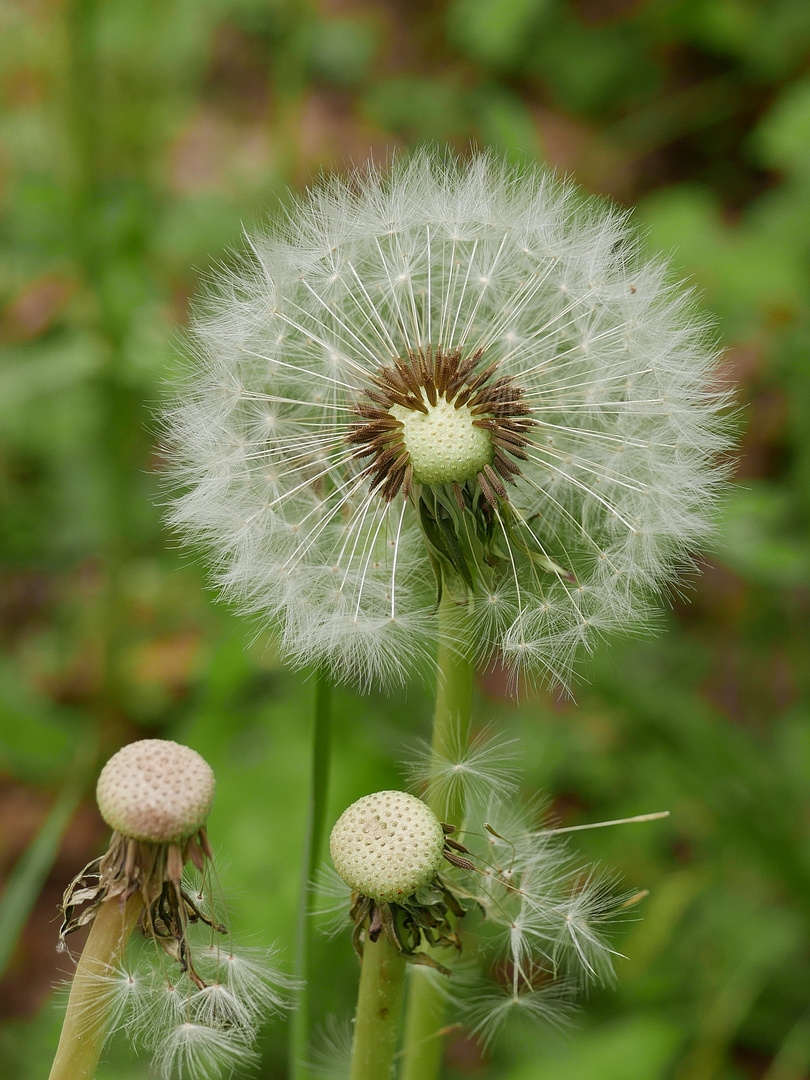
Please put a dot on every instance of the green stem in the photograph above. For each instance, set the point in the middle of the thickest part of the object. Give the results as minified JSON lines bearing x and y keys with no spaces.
{"x":451,"y":718}
{"x":424,"y":1020}
{"x":422,"y":1055}
{"x":379,"y":1004}
{"x":96,"y":140}
{"x":316,"y":827}
{"x":85,"y":1025}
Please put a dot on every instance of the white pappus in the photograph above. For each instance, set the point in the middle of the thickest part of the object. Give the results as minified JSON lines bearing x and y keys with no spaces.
{"x":458,"y":377}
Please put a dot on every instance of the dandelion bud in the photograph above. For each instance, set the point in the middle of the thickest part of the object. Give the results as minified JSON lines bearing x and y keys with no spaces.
{"x":387,"y":845}
{"x":156,"y":790}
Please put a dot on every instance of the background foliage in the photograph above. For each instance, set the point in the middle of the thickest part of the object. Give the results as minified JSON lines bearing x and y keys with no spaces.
{"x":137,"y":136}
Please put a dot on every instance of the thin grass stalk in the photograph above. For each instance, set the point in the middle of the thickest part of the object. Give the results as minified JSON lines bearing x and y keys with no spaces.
{"x":90,"y":125}
{"x":315,"y":832}
{"x":29,"y":875}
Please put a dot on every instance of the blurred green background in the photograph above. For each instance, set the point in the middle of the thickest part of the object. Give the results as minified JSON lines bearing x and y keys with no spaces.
{"x":136,"y":138}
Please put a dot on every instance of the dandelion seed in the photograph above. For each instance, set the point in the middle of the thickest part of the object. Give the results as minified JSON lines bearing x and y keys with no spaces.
{"x":333,"y":897}
{"x":448,"y":378}
{"x":169,"y":1005}
{"x":331,"y":1054}
{"x":121,"y":993}
{"x":252,"y":975}
{"x":487,"y":1014}
{"x":194,"y":1051}
{"x":542,"y":905}
{"x":595,"y":903}
{"x":217,"y":1005}
{"x":468,"y":770}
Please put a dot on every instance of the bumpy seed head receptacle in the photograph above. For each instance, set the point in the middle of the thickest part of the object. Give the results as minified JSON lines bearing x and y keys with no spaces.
{"x":156,"y":790}
{"x":389,"y":847}
{"x":444,"y":445}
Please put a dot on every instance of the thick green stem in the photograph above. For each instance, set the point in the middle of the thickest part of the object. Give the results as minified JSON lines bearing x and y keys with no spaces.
{"x":451,"y":718}
{"x":424,"y":1042}
{"x":379,"y":1004}
{"x":85,"y":1023}
{"x":451,"y":722}
{"x":316,"y":826}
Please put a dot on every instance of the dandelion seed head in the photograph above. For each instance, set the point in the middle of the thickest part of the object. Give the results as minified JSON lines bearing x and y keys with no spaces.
{"x":455,"y":374}
{"x":155,"y":790}
{"x":387,"y":845}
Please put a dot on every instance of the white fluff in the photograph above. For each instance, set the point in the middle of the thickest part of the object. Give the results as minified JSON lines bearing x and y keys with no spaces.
{"x":613,"y":360}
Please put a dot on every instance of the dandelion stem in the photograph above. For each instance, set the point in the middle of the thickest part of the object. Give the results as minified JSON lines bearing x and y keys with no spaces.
{"x":316,"y":824}
{"x":451,"y":718}
{"x":379,"y":1004}
{"x":422,"y":1056}
{"x":451,"y":722}
{"x":84,"y":1029}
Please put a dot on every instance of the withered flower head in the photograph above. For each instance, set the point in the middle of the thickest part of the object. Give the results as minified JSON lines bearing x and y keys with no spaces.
{"x":156,"y":796}
{"x":199,"y":1015}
